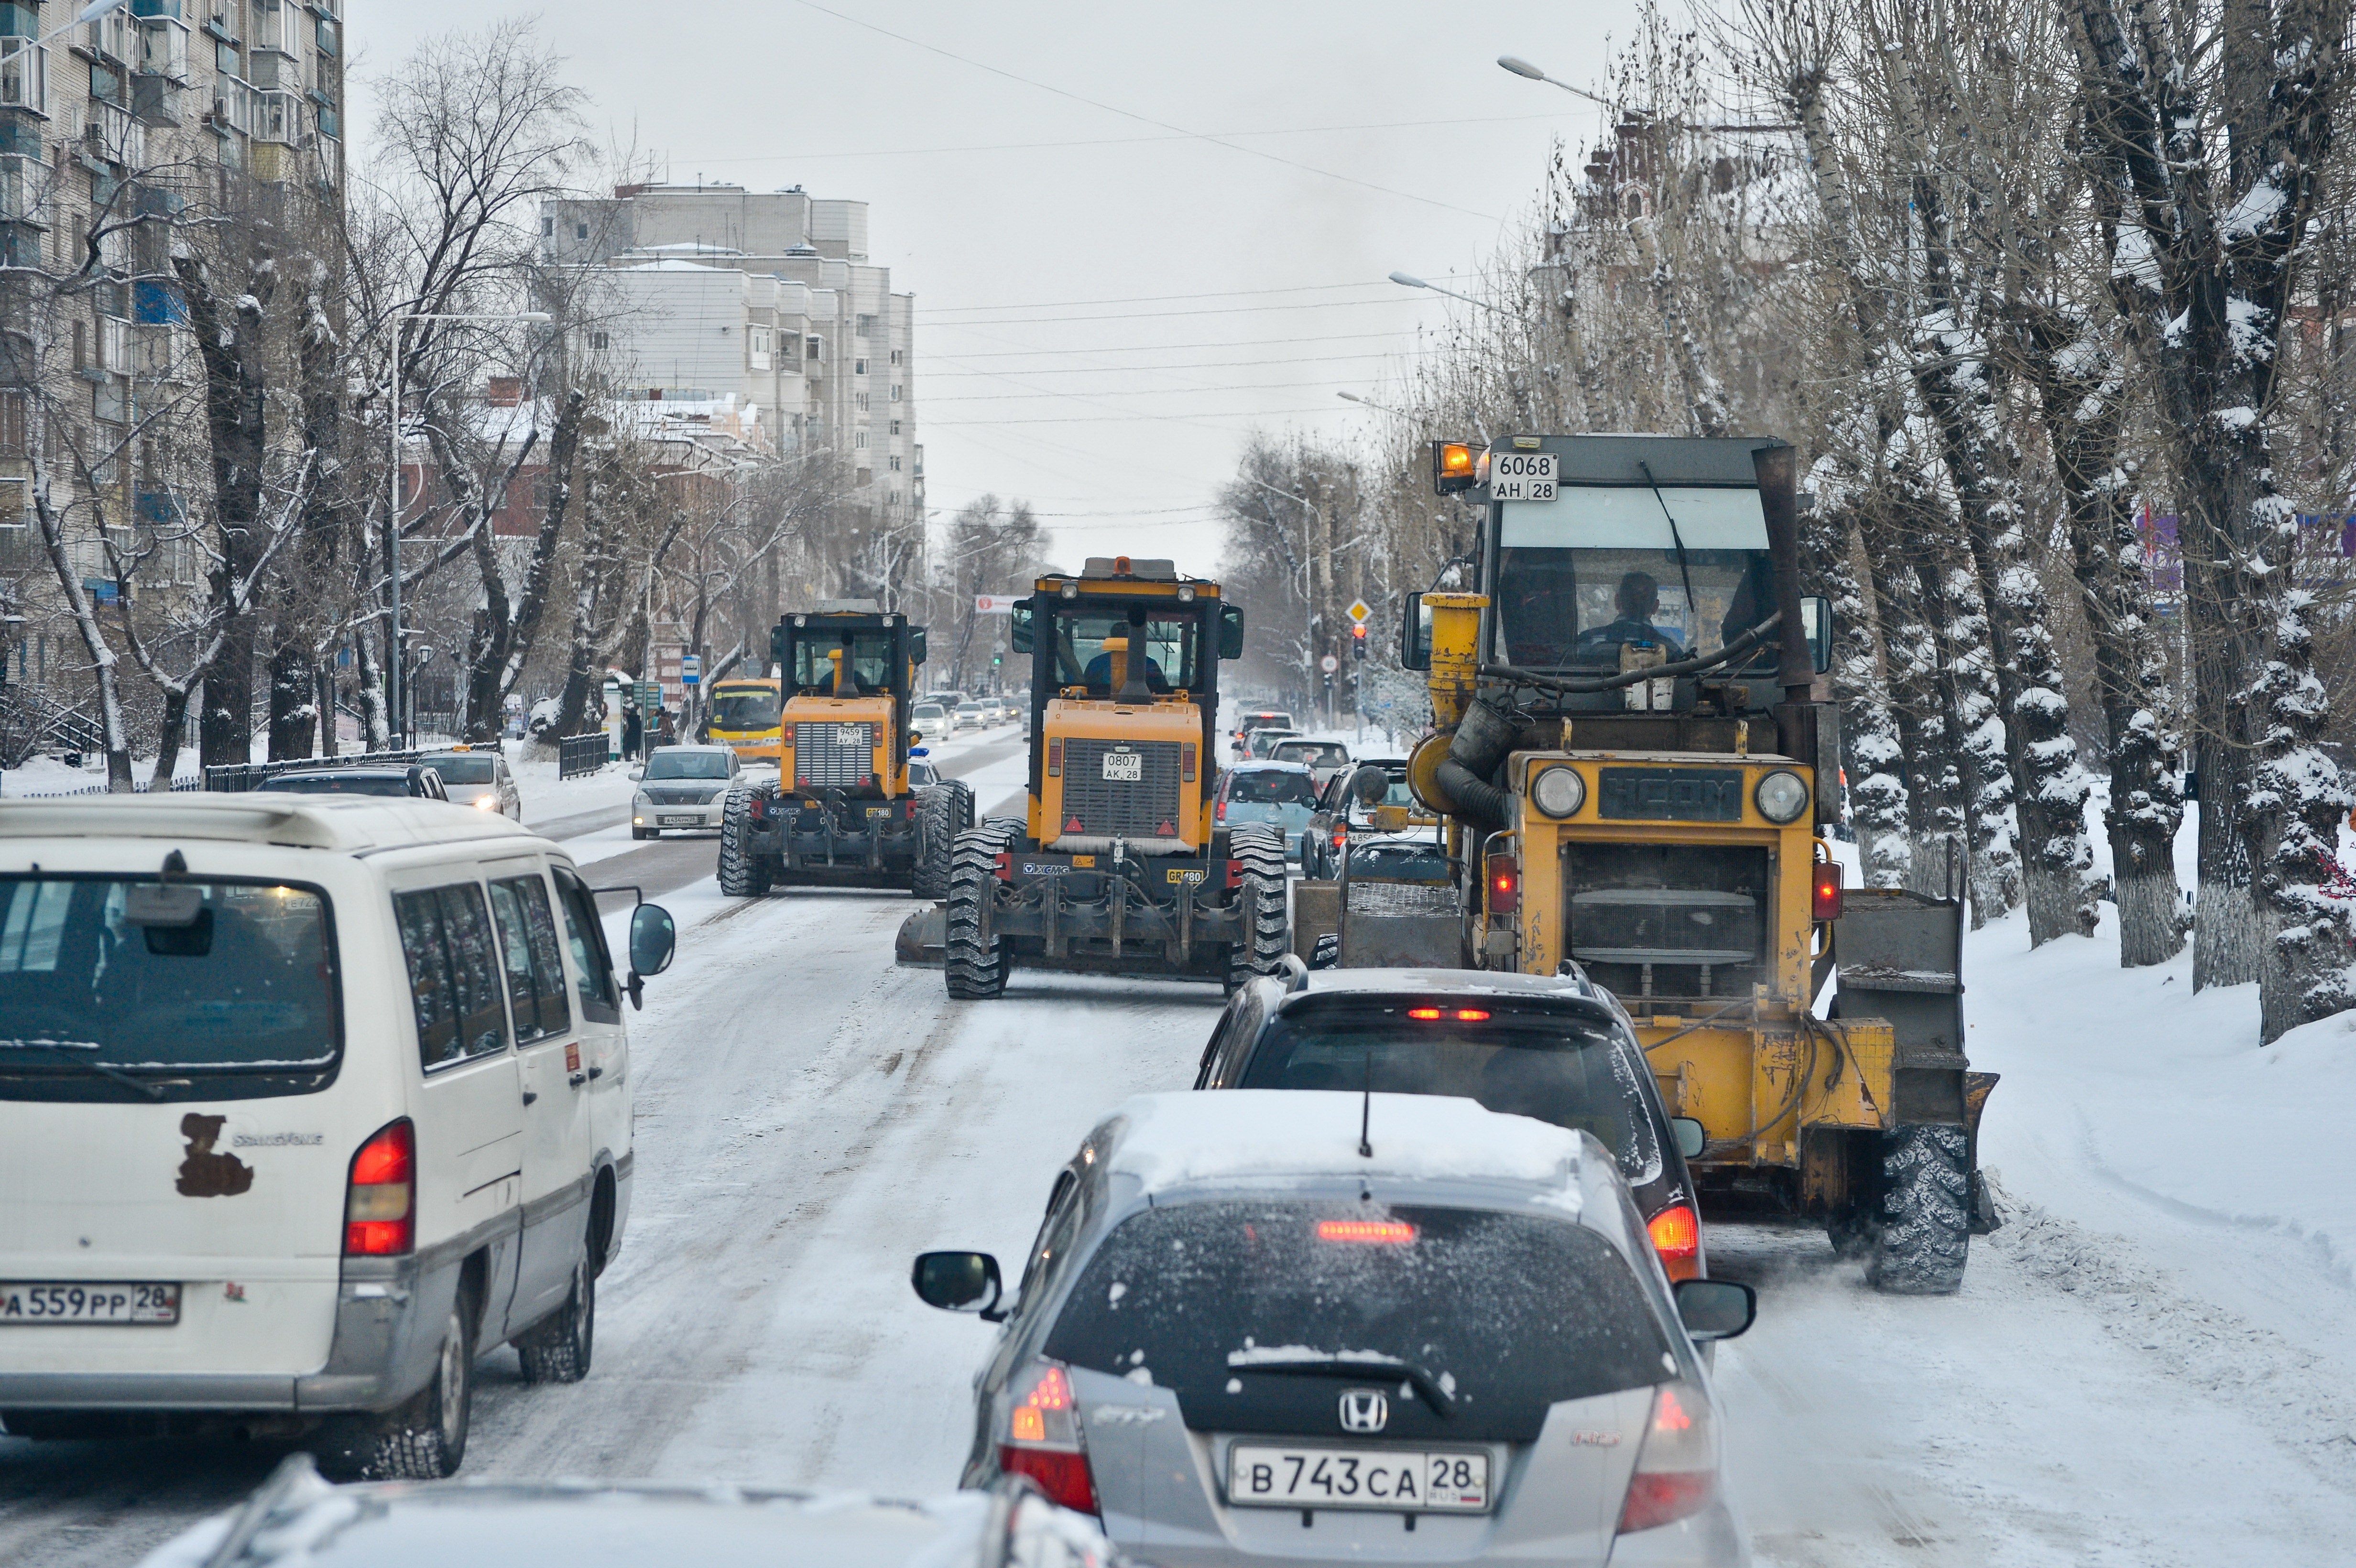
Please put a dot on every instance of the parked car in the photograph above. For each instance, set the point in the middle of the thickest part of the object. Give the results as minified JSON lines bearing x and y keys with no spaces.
{"x":1559,"y":1048}
{"x":381,"y":1041}
{"x":1339,"y":814}
{"x":415,"y":780}
{"x":683,"y":786}
{"x":1323,"y":758}
{"x":922,"y":773}
{"x":480,"y":779}
{"x":1282,"y":794}
{"x":298,"y":1520}
{"x":1268,"y":1326}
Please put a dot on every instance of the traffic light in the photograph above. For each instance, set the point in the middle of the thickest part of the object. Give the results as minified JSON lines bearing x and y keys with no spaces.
{"x":997,"y":659}
{"x":1358,"y":640}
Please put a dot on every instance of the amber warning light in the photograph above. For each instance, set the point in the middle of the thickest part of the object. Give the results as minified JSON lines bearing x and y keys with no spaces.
{"x":1382,"y":1232}
{"x":1455,"y":465}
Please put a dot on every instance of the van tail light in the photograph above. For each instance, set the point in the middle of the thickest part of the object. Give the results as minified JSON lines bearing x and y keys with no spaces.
{"x":381,"y":1195}
{"x":1043,"y":1441}
{"x":1505,"y":884}
{"x":1825,"y":892}
{"x":1676,"y":1469}
{"x":1677,"y":1236}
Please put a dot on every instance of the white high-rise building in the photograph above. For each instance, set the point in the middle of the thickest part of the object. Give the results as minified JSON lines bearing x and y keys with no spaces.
{"x":764,"y":303}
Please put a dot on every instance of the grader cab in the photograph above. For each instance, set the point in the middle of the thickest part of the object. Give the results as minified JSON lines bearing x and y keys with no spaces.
{"x":1633,"y":765}
{"x":1120,"y":867}
{"x":842,"y":811}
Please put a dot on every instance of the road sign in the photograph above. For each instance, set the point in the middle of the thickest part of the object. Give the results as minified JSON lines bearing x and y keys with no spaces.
{"x":1329,"y":664}
{"x":996,"y":603}
{"x":1360,"y":610}
{"x":690,"y":669}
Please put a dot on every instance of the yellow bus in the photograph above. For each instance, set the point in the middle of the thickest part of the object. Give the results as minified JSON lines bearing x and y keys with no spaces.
{"x":745,"y":714}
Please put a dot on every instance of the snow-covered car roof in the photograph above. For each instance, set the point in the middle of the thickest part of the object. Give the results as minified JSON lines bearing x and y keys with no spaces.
{"x":1572,"y":993}
{"x":691,"y":746}
{"x":1275,"y":1136}
{"x":296,"y":1518}
{"x":305,"y":821}
{"x":1268,"y":765}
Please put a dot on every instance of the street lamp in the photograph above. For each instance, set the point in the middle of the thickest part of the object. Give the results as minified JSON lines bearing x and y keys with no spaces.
{"x":1521,"y":67}
{"x":393,"y":652}
{"x":1370,"y":403}
{"x":1410,"y":281}
{"x":90,"y":13}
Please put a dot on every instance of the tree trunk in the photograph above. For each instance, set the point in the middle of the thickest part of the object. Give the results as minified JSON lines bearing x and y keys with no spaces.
{"x":1877,"y":785}
{"x":581,"y":680}
{"x":113,"y":736}
{"x":1928,"y":752}
{"x":228,"y":340}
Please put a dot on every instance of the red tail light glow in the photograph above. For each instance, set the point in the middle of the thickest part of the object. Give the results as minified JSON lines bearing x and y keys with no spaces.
{"x":1677,"y":1236}
{"x":1425,"y":1013}
{"x":1341,"y":837}
{"x":1676,"y":1469}
{"x":1471,"y":1016}
{"x":1056,"y":759}
{"x":1505,"y":884}
{"x":1043,"y":1441}
{"x":381,"y":1195}
{"x":1221,"y":813}
{"x":1186,"y":763}
{"x":1381,"y":1233}
{"x":1825,"y":892}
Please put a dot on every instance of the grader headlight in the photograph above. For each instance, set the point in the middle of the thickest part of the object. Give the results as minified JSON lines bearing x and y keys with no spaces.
{"x":1558,"y":792}
{"x":1780,"y":796}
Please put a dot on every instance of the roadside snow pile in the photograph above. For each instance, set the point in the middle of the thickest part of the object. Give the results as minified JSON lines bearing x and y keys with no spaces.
{"x":1247,"y":1133}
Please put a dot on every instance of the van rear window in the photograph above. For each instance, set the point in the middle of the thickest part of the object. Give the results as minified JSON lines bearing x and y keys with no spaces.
{"x":133,"y":990}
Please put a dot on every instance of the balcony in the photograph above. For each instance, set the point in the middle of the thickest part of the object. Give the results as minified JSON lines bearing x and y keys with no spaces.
{"x":24,"y":75}
{"x":112,"y":135}
{"x":156,"y":100}
{"x":24,"y":189}
{"x":277,"y":117}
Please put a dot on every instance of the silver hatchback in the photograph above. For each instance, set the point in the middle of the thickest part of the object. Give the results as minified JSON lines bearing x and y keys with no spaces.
{"x":1322,"y":1328}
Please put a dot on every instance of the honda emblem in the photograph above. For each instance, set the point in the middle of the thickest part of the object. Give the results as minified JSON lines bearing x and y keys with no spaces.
{"x":1365,"y":1410}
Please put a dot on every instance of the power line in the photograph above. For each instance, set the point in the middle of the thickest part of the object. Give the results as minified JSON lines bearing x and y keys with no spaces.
{"x":1157,"y":299}
{"x":1122,"y":419}
{"x":1401,"y":298}
{"x":1139,"y":393}
{"x":1144,"y":369}
{"x":962,"y":356}
{"x":1116,"y":141}
{"x":1144,"y":119}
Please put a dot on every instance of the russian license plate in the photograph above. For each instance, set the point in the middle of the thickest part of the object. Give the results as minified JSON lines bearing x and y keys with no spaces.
{"x":29,"y":1302}
{"x":1521,"y":475}
{"x":1358,"y":1477}
{"x":850,"y":735}
{"x":1127,"y":767}
{"x":682,"y":821}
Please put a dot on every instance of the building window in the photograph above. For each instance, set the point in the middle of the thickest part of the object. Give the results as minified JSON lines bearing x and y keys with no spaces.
{"x":894,"y":464}
{"x":547,"y":230}
{"x":596,"y":340}
{"x":895,"y":430}
{"x":895,"y":391}
{"x":861,"y":401}
{"x":858,"y":439}
{"x":895,"y":355}
{"x":863,"y":325}
{"x":859,"y":366}
{"x":81,"y":347}
{"x":757,"y":345}
{"x":580,"y":231}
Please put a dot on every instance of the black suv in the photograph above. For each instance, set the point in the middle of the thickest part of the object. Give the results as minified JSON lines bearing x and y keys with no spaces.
{"x":1559,"y":1050}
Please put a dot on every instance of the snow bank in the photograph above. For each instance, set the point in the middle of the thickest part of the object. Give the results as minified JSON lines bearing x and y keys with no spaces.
{"x":1171,"y":1139}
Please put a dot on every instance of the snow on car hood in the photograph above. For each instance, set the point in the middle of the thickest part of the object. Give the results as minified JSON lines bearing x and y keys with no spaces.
{"x":1171,"y":1139}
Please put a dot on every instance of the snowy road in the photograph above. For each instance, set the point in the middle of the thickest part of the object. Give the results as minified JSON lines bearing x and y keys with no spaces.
{"x":811,"y":1116}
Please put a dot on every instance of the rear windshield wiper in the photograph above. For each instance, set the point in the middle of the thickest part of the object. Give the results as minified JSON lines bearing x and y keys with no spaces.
{"x":60,"y":1048}
{"x":1316,"y":1364}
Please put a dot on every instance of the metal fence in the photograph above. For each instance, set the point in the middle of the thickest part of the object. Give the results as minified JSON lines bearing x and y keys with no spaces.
{"x":238,"y":777}
{"x":578,"y":754}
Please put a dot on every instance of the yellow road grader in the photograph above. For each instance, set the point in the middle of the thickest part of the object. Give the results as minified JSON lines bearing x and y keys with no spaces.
{"x":1634,"y":763}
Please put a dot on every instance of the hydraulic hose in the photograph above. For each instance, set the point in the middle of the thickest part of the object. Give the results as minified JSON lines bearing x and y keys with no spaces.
{"x":1482,"y":741}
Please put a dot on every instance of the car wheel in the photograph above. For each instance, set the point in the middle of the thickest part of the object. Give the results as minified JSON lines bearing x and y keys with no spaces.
{"x":425,"y":1439}
{"x":1925,"y":1232}
{"x":556,"y":1349}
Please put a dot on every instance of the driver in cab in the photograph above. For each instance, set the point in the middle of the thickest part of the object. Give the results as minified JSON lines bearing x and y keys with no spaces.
{"x":1638,"y":599}
{"x":1098,"y":673}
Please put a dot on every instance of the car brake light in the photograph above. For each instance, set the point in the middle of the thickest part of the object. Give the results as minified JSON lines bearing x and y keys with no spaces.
{"x":1043,"y":1441}
{"x":1471,"y":1016}
{"x":381,"y":1195}
{"x":1677,"y":1236}
{"x":1676,"y":1469}
{"x":1386,"y":1232}
{"x":1824,"y":900}
{"x":1505,"y":884}
{"x":1221,"y":813}
{"x":1425,"y":1013}
{"x":1341,"y":836}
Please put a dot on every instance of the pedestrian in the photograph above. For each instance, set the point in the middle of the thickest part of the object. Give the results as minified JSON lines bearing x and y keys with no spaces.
{"x":633,"y":729}
{"x":665,"y":733}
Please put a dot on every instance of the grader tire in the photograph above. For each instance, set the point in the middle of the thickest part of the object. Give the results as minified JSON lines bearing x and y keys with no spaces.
{"x":742,"y":874}
{"x":1267,"y":928}
{"x":943,"y":812}
{"x":1925,"y":1230}
{"x":975,"y":970}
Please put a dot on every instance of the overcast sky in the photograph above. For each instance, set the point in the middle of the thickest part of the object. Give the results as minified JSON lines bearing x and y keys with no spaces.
{"x":1107,"y":302}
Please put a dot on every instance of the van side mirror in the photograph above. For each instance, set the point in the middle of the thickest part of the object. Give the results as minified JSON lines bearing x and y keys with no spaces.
{"x":1692,"y":1136}
{"x":960,"y":1282}
{"x":1817,"y":623}
{"x":1231,"y":630}
{"x":1018,"y":634}
{"x":1415,"y":634}
{"x":654,"y":939}
{"x":1716,"y":1309}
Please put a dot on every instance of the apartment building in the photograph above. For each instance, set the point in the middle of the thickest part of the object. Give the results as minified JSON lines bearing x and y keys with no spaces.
{"x":156,"y":114}
{"x":764,"y":304}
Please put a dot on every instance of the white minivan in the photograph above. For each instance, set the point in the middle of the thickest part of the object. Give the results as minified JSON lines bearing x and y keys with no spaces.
{"x":306,"y":1102}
